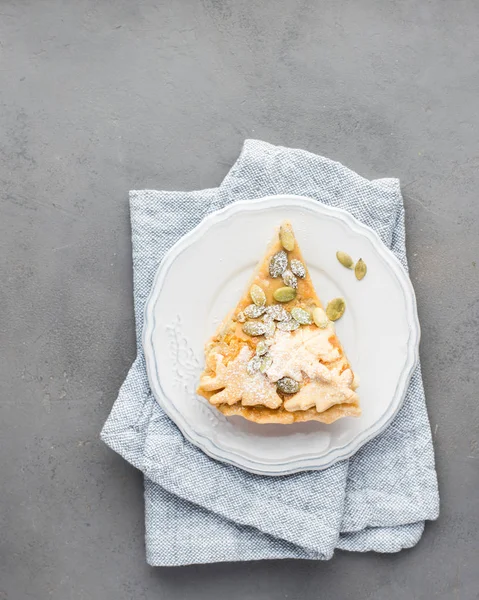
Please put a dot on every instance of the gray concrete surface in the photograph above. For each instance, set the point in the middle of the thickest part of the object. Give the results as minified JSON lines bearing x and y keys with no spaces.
{"x":97,"y":97}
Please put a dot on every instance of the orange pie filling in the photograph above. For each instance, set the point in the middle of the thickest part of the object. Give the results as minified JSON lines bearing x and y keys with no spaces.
{"x":277,"y":358}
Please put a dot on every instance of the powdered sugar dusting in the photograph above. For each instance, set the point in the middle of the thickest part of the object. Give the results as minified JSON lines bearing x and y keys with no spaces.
{"x":237,"y":385}
{"x":322,"y":394}
{"x":298,"y":352}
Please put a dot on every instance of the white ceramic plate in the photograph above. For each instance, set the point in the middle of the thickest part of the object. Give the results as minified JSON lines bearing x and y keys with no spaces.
{"x":202,"y":278}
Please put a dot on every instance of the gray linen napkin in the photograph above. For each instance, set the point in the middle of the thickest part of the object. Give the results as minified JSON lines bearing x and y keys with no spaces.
{"x":199,"y":510}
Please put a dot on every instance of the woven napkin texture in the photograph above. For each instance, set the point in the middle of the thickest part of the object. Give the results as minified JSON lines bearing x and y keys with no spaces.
{"x":201,"y":511}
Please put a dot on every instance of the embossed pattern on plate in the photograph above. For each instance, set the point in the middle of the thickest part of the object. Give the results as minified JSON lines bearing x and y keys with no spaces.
{"x":381,"y":338}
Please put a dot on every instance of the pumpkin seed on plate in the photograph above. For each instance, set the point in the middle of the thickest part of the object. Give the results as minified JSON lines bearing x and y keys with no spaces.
{"x":290,"y":279}
{"x":335,"y":309}
{"x":286,"y":237}
{"x":252,"y":311}
{"x":278,"y":264}
{"x":320,"y":318}
{"x":302,"y":316}
{"x":284,"y":294}
{"x":287,"y":385}
{"x":360,"y":269}
{"x":240,"y":317}
{"x":345,"y":259}
{"x":254,"y":328}
{"x":257,"y":295}
{"x":298,"y":268}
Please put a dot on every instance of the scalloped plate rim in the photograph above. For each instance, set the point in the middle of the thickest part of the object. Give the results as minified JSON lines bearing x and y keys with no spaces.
{"x":295,"y":465}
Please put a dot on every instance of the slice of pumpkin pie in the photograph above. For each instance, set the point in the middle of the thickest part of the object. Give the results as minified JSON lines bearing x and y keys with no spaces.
{"x":276,"y":358}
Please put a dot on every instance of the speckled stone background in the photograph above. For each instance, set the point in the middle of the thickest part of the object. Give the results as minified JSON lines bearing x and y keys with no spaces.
{"x":98,"y":97}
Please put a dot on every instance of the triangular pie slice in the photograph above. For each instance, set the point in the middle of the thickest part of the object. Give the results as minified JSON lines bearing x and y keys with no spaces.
{"x":276,"y":357}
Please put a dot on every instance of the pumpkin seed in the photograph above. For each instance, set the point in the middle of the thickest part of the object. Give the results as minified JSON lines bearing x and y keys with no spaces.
{"x":320,"y":318}
{"x":240,"y":317}
{"x":360,"y":269}
{"x":253,"y":312}
{"x":345,"y":259}
{"x":261,"y":348}
{"x":290,"y":325}
{"x":335,"y":309}
{"x":270,"y":329}
{"x":278,"y":264}
{"x":277,"y":312}
{"x":286,"y":237}
{"x":298,"y":268}
{"x":266,"y":363}
{"x":284,"y":294}
{"x":302,"y":316}
{"x":289,"y":279}
{"x":257,"y":295}
{"x":287,"y":385}
{"x":254,"y":328}
{"x":254,"y":365}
